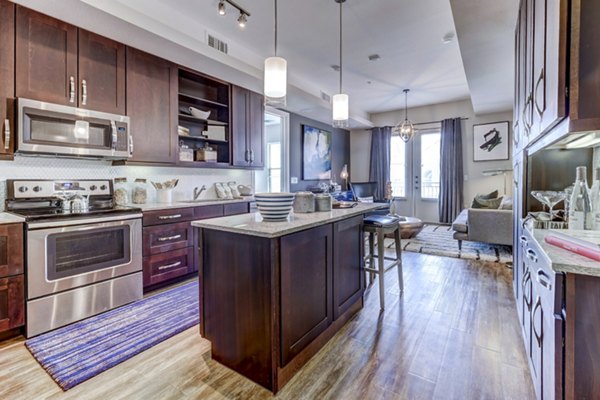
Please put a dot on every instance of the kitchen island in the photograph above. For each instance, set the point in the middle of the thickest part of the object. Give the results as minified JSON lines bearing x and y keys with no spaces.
{"x":273,"y":293}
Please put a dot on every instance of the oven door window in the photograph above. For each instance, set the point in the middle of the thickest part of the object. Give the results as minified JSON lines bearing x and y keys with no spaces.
{"x":76,"y":253}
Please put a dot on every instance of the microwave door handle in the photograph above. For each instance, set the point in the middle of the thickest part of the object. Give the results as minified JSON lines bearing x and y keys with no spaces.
{"x":113,"y":128}
{"x":130,"y":140}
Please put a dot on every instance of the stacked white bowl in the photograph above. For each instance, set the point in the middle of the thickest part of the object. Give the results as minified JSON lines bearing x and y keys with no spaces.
{"x":274,"y":206}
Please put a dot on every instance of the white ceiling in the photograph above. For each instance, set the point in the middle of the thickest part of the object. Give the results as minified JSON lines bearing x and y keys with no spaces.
{"x":407,"y":34}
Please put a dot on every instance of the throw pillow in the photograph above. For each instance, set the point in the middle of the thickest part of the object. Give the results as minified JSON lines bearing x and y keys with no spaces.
{"x":486,"y":203}
{"x":507,"y":203}
{"x":365,"y":199}
{"x":489,"y":196}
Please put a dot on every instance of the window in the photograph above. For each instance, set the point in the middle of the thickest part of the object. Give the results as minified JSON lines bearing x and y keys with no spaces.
{"x":430,"y":165}
{"x":398,"y":167}
{"x":274,"y":166}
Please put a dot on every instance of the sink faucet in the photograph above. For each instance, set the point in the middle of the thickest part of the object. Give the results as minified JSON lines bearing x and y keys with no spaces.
{"x":198,"y":192}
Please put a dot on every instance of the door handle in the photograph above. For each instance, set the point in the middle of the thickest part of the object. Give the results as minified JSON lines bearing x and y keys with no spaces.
{"x":169,"y":266}
{"x":71,"y":89}
{"x":84,"y":95}
{"x":6,"y":134}
{"x":538,"y":336}
{"x":526,"y":278}
{"x":540,"y":79}
{"x":543,"y":279}
{"x":251,"y":156}
{"x":526,"y":122}
{"x":246,"y":156}
{"x":532,"y":255}
{"x":524,"y":241}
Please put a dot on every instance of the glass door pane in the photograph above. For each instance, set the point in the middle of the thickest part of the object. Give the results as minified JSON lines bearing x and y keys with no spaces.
{"x":430,"y":166}
{"x":398,"y":167}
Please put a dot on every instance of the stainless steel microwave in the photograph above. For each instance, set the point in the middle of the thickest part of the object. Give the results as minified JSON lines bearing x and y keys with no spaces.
{"x":54,"y":129}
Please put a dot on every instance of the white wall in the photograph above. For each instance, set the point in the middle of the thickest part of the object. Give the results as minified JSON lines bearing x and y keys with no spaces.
{"x":475,"y":182}
{"x":58,"y":168}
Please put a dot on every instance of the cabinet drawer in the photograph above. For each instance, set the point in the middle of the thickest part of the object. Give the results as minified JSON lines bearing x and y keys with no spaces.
{"x":165,"y":266}
{"x":163,"y":238}
{"x":12,"y":303}
{"x":235,"y":208}
{"x":11,"y":250}
{"x":168,"y":216}
{"x":205,"y":212}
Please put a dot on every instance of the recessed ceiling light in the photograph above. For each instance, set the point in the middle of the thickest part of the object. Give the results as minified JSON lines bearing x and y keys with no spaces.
{"x":448,"y":37}
{"x":374,"y":57}
{"x":335,"y":67}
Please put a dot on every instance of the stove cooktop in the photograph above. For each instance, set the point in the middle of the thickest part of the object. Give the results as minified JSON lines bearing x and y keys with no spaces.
{"x":58,"y":213}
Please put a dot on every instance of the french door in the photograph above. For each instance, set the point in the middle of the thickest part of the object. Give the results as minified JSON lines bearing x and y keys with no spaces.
{"x":415,"y":175}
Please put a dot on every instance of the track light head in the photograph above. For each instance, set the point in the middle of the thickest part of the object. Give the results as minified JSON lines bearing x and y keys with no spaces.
{"x":222,"y":7}
{"x":242,"y":19}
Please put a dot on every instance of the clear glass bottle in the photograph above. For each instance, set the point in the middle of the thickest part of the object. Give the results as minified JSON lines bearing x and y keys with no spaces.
{"x":595,"y":199}
{"x":580,"y":209}
{"x":121,"y":192}
{"x":140,"y":191}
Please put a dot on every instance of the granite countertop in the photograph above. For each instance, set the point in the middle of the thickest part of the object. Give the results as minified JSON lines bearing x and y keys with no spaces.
{"x":179,"y":204}
{"x":566,"y":261}
{"x":9,"y":218}
{"x":252,"y":224}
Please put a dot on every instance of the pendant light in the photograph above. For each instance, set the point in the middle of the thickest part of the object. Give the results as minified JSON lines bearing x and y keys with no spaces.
{"x":340,"y":101}
{"x":275,"y":76}
{"x":405,"y":129}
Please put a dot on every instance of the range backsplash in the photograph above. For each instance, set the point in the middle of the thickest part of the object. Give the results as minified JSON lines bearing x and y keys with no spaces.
{"x":62,"y":168}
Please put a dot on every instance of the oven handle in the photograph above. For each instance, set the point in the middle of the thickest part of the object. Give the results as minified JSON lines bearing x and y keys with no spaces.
{"x":83,"y":221}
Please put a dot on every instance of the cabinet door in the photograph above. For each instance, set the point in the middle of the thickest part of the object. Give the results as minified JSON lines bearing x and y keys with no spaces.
{"x":161,"y":238}
{"x":240,"y":156}
{"x":306,"y":288}
{"x":256,"y":139}
{"x":517,"y":124}
{"x":12,"y":303}
{"x":11,"y":250}
{"x":7,"y":77}
{"x":101,"y":73}
{"x":348,"y":275}
{"x":152,"y":106}
{"x":163,"y":267}
{"x":46,"y":58}
{"x":549,"y":64}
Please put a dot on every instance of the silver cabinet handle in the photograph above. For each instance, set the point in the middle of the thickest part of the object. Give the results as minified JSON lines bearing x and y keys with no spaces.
{"x":251,"y":156}
{"x":540,"y":79}
{"x":72,"y":89}
{"x":6,"y":134}
{"x":515,"y":135}
{"x":169,"y":266}
{"x":174,"y":216}
{"x":526,"y":122}
{"x":543,"y":279}
{"x":167,"y":238}
{"x":532,"y":255}
{"x":538,"y":336}
{"x":526,"y":298}
{"x":524,"y":241}
{"x":84,"y":92}
{"x":246,"y":157}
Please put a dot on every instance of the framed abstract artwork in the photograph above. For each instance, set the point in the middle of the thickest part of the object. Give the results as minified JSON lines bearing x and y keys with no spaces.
{"x":316,"y":153}
{"x":491,"y":141}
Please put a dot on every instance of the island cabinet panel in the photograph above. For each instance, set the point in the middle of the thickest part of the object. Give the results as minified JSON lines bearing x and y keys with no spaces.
{"x":7,"y":78}
{"x":306,"y":288}
{"x":238,"y":284}
{"x":348,"y":275}
{"x":152,"y":106}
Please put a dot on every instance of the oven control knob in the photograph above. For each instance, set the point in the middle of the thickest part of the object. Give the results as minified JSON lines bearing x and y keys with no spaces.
{"x":103,"y":187}
{"x":23,"y":189}
{"x":93,"y":187}
{"x":37,"y":189}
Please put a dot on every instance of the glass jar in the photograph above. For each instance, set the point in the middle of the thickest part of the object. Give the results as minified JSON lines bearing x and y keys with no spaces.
{"x":140,"y":191}
{"x":121,"y":193}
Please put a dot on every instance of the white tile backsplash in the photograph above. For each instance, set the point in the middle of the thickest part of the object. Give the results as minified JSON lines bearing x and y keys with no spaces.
{"x":24,"y":167}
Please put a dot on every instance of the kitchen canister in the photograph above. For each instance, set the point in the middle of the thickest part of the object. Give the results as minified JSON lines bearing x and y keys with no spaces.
{"x":322,"y":202}
{"x":304,"y":202}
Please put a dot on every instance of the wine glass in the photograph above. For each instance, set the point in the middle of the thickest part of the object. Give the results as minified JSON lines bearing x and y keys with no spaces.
{"x":549,"y":198}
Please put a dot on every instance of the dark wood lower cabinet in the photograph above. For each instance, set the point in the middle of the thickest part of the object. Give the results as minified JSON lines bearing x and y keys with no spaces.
{"x":12,"y":303}
{"x":268,"y":305}
{"x":163,"y":267}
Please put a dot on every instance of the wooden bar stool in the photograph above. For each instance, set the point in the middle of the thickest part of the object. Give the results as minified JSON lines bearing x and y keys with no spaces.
{"x":383,"y":225}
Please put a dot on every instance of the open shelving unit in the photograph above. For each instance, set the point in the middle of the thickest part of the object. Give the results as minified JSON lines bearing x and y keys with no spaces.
{"x":206,"y":94}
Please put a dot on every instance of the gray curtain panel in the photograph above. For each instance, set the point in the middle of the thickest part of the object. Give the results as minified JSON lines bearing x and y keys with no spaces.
{"x":379,"y":170}
{"x":451,"y":170}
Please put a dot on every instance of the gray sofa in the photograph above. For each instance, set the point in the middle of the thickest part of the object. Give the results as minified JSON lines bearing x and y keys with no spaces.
{"x":484,"y":225}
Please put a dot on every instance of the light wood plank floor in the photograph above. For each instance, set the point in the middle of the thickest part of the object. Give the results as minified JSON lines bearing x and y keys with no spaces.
{"x":454,"y":335}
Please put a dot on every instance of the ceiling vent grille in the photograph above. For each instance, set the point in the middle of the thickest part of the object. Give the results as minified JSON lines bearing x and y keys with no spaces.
{"x":326,"y":97}
{"x":217,"y":44}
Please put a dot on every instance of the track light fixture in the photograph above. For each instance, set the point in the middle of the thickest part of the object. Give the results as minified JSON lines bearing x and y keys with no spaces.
{"x":242,"y":19}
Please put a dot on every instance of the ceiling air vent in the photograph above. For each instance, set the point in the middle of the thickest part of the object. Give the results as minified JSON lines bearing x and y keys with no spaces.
{"x":218,"y":44}
{"x":325,"y":97}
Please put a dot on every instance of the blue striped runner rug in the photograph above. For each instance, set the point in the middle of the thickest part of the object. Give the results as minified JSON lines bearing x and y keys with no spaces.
{"x":80,"y":351}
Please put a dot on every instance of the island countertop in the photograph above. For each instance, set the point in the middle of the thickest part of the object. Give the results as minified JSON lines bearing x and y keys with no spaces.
{"x":253,"y":225}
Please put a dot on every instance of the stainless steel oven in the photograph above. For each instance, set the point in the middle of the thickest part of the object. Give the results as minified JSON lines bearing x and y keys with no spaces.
{"x":81,"y":267}
{"x":45,"y":128}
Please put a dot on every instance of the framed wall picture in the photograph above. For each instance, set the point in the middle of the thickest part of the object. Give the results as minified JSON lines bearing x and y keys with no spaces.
{"x":491,"y":141}
{"x":316,"y":153}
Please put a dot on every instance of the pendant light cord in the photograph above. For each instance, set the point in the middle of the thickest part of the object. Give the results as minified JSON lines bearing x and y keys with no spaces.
{"x":341,"y":2}
{"x":405,"y":104}
{"x":275,"y":28}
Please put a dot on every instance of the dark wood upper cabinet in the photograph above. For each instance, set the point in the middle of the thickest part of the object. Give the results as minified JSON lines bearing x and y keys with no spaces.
{"x":7,"y":78}
{"x":101,"y":73}
{"x":46,"y":58}
{"x":306,"y":288}
{"x":247,"y":121}
{"x":152,"y":107}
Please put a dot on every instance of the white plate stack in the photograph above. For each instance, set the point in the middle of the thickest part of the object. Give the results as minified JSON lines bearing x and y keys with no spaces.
{"x":274,"y":206}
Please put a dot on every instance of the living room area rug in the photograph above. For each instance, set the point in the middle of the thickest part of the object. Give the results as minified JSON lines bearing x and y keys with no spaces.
{"x":437,"y":240}
{"x":80,"y":351}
